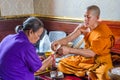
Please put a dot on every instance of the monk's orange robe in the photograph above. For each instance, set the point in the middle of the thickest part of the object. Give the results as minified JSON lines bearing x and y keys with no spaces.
{"x":100,"y":40}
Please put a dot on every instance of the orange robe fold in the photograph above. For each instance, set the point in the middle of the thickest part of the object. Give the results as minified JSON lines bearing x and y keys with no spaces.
{"x":100,"y":40}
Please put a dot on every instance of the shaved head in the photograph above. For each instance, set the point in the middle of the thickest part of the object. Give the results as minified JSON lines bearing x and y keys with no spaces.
{"x":95,"y":9}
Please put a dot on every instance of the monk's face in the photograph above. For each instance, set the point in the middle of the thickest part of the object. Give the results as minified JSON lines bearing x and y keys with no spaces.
{"x":90,"y":18}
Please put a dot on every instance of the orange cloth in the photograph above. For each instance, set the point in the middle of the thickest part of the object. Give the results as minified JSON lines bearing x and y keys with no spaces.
{"x":100,"y":40}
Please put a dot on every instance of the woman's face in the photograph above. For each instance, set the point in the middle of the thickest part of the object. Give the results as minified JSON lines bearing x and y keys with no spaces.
{"x":35,"y":36}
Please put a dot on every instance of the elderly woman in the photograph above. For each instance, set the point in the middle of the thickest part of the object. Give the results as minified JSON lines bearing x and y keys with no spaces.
{"x":18,"y":58}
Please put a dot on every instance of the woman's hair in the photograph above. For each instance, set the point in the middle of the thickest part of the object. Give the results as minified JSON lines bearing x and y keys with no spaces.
{"x":31,"y":23}
{"x":18,"y":28}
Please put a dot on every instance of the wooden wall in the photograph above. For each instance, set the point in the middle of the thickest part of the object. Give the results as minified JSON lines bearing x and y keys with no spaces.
{"x":115,"y":28}
{"x":8,"y":26}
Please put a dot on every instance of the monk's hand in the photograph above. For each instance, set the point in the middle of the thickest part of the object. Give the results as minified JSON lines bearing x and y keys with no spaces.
{"x":55,"y":45}
{"x":84,"y":29}
{"x":64,"y":50}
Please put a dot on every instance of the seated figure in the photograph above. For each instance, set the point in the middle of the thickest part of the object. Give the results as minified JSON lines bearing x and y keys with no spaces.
{"x":95,"y":57}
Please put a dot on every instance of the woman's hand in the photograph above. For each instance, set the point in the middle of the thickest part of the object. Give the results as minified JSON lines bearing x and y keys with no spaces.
{"x":42,"y":58}
{"x":46,"y":63}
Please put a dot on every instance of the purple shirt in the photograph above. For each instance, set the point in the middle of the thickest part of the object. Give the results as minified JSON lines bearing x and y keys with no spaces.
{"x":18,"y":58}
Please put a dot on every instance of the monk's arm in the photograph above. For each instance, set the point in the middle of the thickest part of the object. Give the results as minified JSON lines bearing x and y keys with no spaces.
{"x":71,"y":36}
{"x":82,"y":52}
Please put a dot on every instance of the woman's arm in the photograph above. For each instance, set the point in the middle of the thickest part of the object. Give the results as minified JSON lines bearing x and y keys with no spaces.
{"x":46,"y":63}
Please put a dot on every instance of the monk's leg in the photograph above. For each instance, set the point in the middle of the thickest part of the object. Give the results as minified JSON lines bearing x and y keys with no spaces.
{"x":102,"y":72}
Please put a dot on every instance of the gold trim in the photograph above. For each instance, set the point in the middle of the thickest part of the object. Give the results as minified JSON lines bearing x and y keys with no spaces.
{"x":62,"y":18}
{"x":43,"y":16}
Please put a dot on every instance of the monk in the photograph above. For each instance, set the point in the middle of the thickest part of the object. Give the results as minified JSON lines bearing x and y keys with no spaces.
{"x":95,"y":57}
